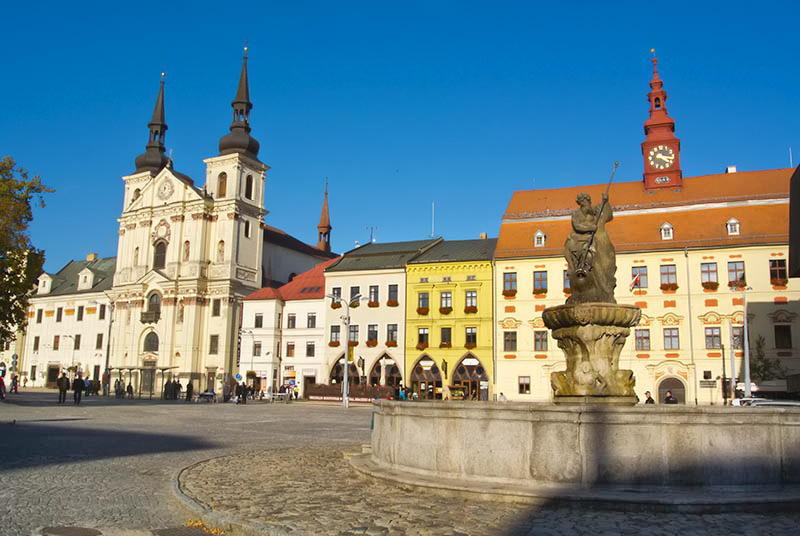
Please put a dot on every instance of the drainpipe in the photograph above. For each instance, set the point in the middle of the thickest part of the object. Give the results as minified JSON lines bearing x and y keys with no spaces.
{"x":691,"y":318}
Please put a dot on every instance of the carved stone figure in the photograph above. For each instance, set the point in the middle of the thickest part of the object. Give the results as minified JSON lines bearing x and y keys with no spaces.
{"x":591,"y":259}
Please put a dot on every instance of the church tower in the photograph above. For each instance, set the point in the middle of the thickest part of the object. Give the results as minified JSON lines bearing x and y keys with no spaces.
{"x":661,"y":149}
{"x":324,"y":227}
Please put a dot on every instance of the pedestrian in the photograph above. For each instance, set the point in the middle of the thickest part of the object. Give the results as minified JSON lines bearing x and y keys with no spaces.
{"x":178,"y":389}
{"x":238,"y":393}
{"x":168,"y":390}
{"x":14,"y":384}
{"x":402,"y":394}
{"x":189,"y":391}
{"x":63,"y":386}
{"x":25,"y":382}
{"x":130,"y":391}
{"x":245,"y":391}
{"x":669,"y":399}
{"x":106,"y":379}
{"x":78,"y":386}
{"x":501,"y":398}
{"x":88,"y":386}
{"x":648,"y":399}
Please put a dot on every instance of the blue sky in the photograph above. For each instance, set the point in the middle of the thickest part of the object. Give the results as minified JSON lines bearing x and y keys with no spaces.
{"x":399,"y":104}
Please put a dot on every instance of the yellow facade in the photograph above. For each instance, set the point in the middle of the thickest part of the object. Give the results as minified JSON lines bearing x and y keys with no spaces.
{"x":458,"y":370}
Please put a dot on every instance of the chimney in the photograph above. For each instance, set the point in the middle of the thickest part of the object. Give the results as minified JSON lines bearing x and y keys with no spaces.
{"x":91,"y":257}
{"x":730,"y":169}
{"x":483,"y":236}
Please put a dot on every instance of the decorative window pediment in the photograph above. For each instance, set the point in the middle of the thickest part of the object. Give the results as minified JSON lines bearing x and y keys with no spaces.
{"x":510,"y":323}
{"x":710,"y":318}
{"x":670,"y":319}
{"x":644,"y":320}
{"x":782,"y":316}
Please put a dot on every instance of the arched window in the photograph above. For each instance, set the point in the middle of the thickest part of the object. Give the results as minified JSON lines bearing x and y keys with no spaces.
{"x":160,"y":255}
{"x":221,"y":251}
{"x":135,"y":256}
{"x":154,"y":303}
{"x":248,"y":187}
{"x":658,"y":103}
{"x":222,"y":184}
{"x":186,"y":250}
{"x":151,"y":342}
{"x":666,"y":232}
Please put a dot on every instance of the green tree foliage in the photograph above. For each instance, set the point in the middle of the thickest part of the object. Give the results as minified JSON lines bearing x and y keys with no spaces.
{"x":763,"y":368}
{"x":20,"y":262}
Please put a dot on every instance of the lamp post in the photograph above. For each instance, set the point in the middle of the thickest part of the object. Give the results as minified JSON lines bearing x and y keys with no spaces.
{"x":73,"y":350}
{"x":745,"y":342}
{"x":345,"y":378}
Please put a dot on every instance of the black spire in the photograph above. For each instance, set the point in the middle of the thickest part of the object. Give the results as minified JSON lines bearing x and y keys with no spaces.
{"x":153,"y":159}
{"x":239,"y":139}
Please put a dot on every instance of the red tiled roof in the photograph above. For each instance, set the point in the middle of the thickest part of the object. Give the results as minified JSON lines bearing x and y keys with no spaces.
{"x":306,"y":286}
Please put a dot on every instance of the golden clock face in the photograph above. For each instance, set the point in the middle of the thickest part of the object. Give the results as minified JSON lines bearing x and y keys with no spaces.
{"x":661,"y":157}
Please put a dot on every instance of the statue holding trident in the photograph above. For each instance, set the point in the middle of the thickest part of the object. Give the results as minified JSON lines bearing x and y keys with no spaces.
{"x":591,"y":259}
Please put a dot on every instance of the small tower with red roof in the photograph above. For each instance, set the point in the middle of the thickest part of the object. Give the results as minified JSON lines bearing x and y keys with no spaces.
{"x":324,"y":227}
{"x":661,"y":149}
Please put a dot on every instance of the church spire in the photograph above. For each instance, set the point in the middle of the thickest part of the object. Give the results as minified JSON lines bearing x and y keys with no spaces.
{"x":154,"y":159}
{"x":661,"y":149}
{"x":239,"y":139}
{"x":324,"y":227}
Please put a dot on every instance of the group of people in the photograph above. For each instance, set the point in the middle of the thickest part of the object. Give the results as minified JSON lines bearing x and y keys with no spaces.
{"x":668,"y":398}
{"x":172,"y":390}
{"x":79,"y":385}
{"x":120,"y":390}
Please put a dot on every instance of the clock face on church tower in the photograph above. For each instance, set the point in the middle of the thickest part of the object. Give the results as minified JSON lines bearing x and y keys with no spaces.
{"x":661,"y":157}
{"x":165,"y":190}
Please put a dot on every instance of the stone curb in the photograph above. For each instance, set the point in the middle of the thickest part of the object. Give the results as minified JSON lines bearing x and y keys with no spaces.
{"x":653,"y":499}
{"x":229,"y":524}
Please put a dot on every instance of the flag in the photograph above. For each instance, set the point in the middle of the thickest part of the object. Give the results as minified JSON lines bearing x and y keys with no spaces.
{"x":635,"y":281}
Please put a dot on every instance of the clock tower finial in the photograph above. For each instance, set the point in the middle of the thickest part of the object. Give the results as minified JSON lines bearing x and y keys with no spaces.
{"x":661,"y":149}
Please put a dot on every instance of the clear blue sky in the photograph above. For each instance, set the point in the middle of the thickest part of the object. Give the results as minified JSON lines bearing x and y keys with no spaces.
{"x":399,"y":104}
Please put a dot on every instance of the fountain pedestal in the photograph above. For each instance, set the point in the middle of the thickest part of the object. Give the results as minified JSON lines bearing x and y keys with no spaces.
{"x":592,"y":336}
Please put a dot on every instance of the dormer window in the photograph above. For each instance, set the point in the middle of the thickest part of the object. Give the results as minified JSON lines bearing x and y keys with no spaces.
{"x":539,"y":239}
{"x":732,"y":226}
{"x":666,"y":232}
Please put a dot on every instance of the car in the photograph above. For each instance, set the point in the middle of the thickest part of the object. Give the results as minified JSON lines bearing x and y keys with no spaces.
{"x":774,"y":403}
{"x":747,"y":401}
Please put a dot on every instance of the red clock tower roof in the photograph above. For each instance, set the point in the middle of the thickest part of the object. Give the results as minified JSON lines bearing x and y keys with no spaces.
{"x":660,"y":149}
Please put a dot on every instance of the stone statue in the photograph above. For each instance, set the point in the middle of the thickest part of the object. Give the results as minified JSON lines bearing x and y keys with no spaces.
{"x":591,"y":259}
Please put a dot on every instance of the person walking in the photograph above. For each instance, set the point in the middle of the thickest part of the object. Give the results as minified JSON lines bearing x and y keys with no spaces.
{"x":78,"y":386}
{"x":189,"y":391}
{"x":63,"y":386}
{"x":648,"y":399}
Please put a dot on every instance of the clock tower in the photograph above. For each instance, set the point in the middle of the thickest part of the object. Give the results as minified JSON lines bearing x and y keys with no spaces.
{"x":661,"y":149}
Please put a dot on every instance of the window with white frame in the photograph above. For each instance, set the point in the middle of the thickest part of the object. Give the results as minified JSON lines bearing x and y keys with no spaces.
{"x":713,"y":338}
{"x":335,"y":333}
{"x":642,"y":339}
{"x":671,"y":339}
{"x":540,"y":340}
{"x":666,"y":232}
{"x":524,"y":383}
{"x":373,"y":293}
{"x":311,"y":321}
{"x":733,"y":226}
{"x":471,"y":298}
{"x":539,"y":239}
{"x":256,"y":349}
{"x":310,"y":349}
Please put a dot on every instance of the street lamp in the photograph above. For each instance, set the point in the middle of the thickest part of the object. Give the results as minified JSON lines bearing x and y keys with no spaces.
{"x":346,"y":379}
{"x":73,"y":350}
{"x":745,"y":341}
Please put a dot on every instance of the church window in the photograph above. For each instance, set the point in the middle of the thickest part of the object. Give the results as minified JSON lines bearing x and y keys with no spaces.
{"x":160,"y":255}
{"x":216,"y":307}
{"x":221,"y":251}
{"x":135,"y":256}
{"x":213,"y":345}
{"x":151,"y":342}
{"x":136,"y":193}
{"x":732,"y":226}
{"x":658,"y":103}
{"x":154,"y":303}
{"x":186,"y":250}
{"x":248,"y":187}
{"x":222,"y":184}
{"x":666,"y":232}
{"x":539,"y":239}
{"x":246,"y":229}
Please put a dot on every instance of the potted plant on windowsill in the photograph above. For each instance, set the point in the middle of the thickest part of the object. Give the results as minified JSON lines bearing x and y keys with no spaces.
{"x":470,"y":345}
{"x":445,"y":310}
{"x":373,"y":304}
{"x":710,"y":285}
{"x":391,"y":344}
{"x":422,"y":310}
{"x":567,"y":290}
{"x":333,"y":344}
{"x":471,"y":309}
{"x":669,"y":287}
{"x":739,"y":283}
{"x":353,"y":343}
{"x":371,"y":343}
{"x":392,"y":303}
{"x":446,"y":345}
{"x":336,"y":305}
{"x":510,"y":293}
{"x":778,"y":282}
{"x":354,"y":304}
{"x":422,"y":345}
{"x":539,"y":291}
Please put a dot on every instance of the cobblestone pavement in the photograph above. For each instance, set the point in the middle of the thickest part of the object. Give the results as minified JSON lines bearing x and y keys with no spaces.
{"x":280,"y":469}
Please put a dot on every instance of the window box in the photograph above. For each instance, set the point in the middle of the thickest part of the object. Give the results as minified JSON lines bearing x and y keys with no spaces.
{"x":353,"y":343}
{"x":333,"y":344}
{"x":373,"y":304}
{"x":567,"y":291}
{"x":737,"y":284}
{"x":510,"y":293}
{"x":470,"y":345}
{"x":710,"y":285}
{"x":778,"y":282}
{"x":392,"y":303}
{"x":446,"y":345}
{"x":336,"y":305}
{"x":372,"y":344}
{"x":391,"y":344}
{"x":422,"y":345}
{"x":422,"y":310}
{"x":669,"y":287}
{"x":471,"y":309}
{"x":539,"y":291}
{"x":355,"y":304}
{"x":445,"y":310}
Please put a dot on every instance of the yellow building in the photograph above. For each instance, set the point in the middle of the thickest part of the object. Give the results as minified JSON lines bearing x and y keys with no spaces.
{"x":449,"y":313}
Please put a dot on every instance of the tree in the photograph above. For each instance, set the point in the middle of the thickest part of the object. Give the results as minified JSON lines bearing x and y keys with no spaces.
{"x":20,"y":262}
{"x":763,"y":368}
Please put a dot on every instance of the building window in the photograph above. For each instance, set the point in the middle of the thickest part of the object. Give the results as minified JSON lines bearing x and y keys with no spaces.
{"x":422,"y":300}
{"x":422,"y":336}
{"x":248,"y":187}
{"x":391,"y":332}
{"x":289,"y":349}
{"x":259,"y":320}
{"x":471,"y":297}
{"x":180,"y":313}
{"x":374,"y":296}
{"x":666,"y":232}
{"x":213,"y":345}
{"x":669,"y":276}
{"x":257,"y":349}
{"x":80,"y":313}
{"x":713,"y":339}
{"x":540,"y":341}
{"x":136,"y":256}
{"x":154,"y":303}
{"x":446,"y":299}
{"x":777,"y":271}
{"x":733,"y":226}
{"x":102,"y":313}
{"x":311,"y":321}
{"x":221,"y":251}
{"x":671,"y":341}
{"x":510,"y":341}
{"x":187,"y":249}
{"x":98,"y":343}
{"x":291,"y":321}
{"x":539,"y":282}
{"x":56,"y":341}
{"x":309,"y":349}
{"x":737,"y":336}
{"x":708,"y":272}
{"x":643,"y":339}
{"x":216,"y":306}
{"x":76,"y":342}
{"x":335,"y":333}
{"x":372,"y":332}
{"x":446,"y":278}
{"x":36,"y":344}
{"x":392,"y":292}
{"x":471,"y":335}
{"x":246,"y":228}
{"x":151,"y":342}
{"x":736,"y":273}
{"x":783,"y":337}
{"x":222,"y":185}
{"x":524,"y":383}
{"x":641,"y":272}
{"x":447,"y":336}
{"x":39,"y":316}
{"x":423,"y":279}
{"x":354,"y":292}
{"x":160,"y":256}
{"x":510,"y":282}
{"x":337,"y":294}
{"x":354,"y":334}
{"x":539,"y":239}
{"x":471,"y":278}
{"x":59,"y":313}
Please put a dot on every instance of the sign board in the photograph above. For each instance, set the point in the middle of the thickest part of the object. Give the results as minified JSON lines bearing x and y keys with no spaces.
{"x":708,"y":383}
